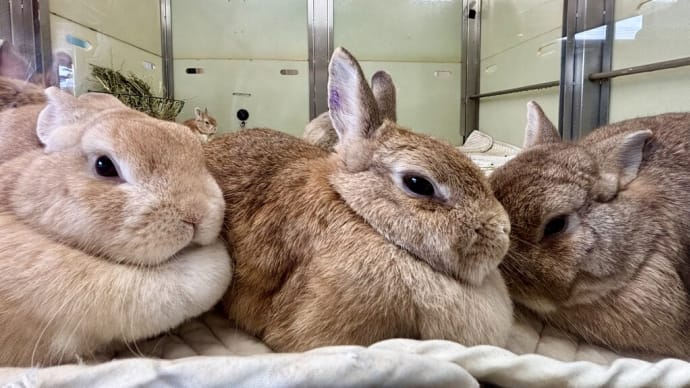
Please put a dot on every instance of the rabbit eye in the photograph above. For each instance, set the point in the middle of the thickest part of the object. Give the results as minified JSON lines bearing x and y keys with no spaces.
{"x":105,"y":167}
{"x":556,"y":225}
{"x":418,"y":185}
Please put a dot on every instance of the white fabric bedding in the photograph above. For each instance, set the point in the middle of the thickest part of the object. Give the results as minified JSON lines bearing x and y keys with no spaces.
{"x":208,"y":352}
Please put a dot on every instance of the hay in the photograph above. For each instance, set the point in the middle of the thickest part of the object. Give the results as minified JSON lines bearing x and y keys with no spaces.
{"x":136,"y":93}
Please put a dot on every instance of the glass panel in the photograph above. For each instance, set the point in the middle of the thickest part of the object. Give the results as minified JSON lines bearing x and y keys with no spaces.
{"x":116,"y":18}
{"x":418,"y":43}
{"x":649,"y":31}
{"x":85,"y":33}
{"x":239,"y":49}
{"x":520,"y":45}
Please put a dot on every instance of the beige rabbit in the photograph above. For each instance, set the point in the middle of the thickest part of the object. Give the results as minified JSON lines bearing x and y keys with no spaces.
{"x":15,"y":93}
{"x":203,"y":125}
{"x":320,"y":131}
{"x":600,"y":236}
{"x":393,"y":235}
{"x":109,"y":231}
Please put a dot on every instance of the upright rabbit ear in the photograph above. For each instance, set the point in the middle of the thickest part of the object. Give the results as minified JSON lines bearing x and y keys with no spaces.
{"x":351,"y":103}
{"x":539,"y":128}
{"x":61,"y":110}
{"x":205,"y":110}
{"x":197,"y":113}
{"x":624,"y":159}
{"x":384,"y":93}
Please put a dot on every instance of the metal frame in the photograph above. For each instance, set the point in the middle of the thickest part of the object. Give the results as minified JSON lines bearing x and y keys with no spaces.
{"x":167,"y":49}
{"x":46,"y":47}
{"x":26,"y":32}
{"x":584,"y":103}
{"x":662,"y":65}
{"x":320,"y":39}
{"x":5,"y":20}
{"x":526,"y":88}
{"x":471,"y":58}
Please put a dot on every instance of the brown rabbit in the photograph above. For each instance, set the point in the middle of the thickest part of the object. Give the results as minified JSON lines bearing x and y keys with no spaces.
{"x":109,"y":231}
{"x":15,"y":93}
{"x":393,"y":235}
{"x":320,"y":131}
{"x":203,"y":125}
{"x":600,"y":234}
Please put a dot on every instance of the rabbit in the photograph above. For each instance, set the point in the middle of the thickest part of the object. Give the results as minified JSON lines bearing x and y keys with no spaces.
{"x":15,"y":93}
{"x":599,"y":235}
{"x":395,"y":234}
{"x":320,"y":131}
{"x":203,"y":125}
{"x":109,"y":232}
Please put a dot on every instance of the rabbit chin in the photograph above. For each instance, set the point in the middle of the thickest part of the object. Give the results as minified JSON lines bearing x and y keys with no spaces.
{"x":474,"y":270}
{"x":153,"y":253}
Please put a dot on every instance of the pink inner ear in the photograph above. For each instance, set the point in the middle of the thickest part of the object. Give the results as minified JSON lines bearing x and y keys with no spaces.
{"x":334,"y":100}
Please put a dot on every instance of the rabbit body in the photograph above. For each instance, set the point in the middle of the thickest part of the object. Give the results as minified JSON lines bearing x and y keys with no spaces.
{"x":15,"y":93}
{"x":105,"y":238}
{"x":330,"y":248}
{"x":600,"y":234}
{"x":202,"y":125}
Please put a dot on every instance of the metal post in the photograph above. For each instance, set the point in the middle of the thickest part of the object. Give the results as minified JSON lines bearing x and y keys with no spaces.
{"x":320,"y":27}
{"x":584,"y":104}
{"x":471,"y":58}
{"x":45,"y":44}
{"x":24,"y":35}
{"x":167,"y":49}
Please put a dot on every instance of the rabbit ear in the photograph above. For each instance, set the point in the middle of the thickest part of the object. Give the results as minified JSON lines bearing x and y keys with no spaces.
{"x":61,"y":110}
{"x":205,"y":110}
{"x":624,"y":160}
{"x":351,"y":103}
{"x":539,"y":128}
{"x":197,"y":113}
{"x":100,"y":101}
{"x":384,"y":93}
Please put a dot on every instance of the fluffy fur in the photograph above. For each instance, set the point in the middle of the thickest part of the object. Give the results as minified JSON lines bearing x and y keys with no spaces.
{"x":202,"y":125}
{"x":15,"y":93}
{"x":321,"y":132}
{"x":86,"y":260}
{"x":333,"y":248}
{"x":600,"y":234}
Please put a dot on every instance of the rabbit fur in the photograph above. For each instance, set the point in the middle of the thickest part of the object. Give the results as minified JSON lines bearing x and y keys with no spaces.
{"x":600,"y":234}
{"x":15,"y":93}
{"x":90,"y":260}
{"x":202,"y":125}
{"x":320,"y":131}
{"x":335,"y":248}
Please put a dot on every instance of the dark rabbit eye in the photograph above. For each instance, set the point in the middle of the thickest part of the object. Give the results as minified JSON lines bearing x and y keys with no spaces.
{"x":418,"y":185}
{"x":556,"y":225}
{"x":105,"y":167}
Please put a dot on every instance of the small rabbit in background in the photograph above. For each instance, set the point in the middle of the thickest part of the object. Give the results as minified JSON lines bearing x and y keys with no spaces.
{"x":395,"y":234}
{"x":600,"y":234}
{"x":320,"y":131}
{"x":105,"y":239}
{"x":203,"y":125}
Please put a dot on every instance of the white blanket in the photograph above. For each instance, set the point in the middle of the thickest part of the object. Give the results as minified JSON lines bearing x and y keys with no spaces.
{"x":208,"y":352}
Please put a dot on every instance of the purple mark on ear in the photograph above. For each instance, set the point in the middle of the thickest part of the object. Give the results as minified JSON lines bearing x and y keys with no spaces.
{"x":334,"y":100}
